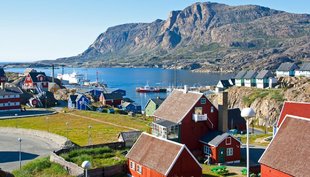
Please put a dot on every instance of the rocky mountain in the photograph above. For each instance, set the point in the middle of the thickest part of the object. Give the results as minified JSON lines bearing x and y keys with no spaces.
{"x":204,"y":36}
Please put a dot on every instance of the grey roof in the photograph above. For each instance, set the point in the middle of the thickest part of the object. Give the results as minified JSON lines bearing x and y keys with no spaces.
{"x":240,"y":75}
{"x":158,"y":101}
{"x":130,"y":136}
{"x":250,"y":74}
{"x":210,"y":136}
{"x":287,"y":67}
{"x":34,"y":75}
{"x":214,"y":138}
{"x":112,"y":96}
{"x":165,"y":123}
{"x":305,"y":67}
{"x":225,"y":83}
{"x":2,"y":73}
{"x":73,"y":98}
{"x":10,"y":91}
{"x":264,"y":74}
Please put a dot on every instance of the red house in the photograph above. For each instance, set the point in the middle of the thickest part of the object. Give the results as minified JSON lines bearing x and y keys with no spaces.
{"x":111,"y":99}
{"x":9,"y":96}
{"x":36,"y":79}
{"x":185,"y":117}
{"x":156,"y":157}
{"x":288,"y":153}
{"x":221,"y":147}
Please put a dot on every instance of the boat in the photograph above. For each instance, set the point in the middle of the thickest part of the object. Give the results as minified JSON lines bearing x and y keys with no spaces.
{"x":73,"y":78}
{"x":147,"y":89}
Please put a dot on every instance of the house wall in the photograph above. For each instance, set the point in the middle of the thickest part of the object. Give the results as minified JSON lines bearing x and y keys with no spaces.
{"x":29,"y":84}
{"x":247,"y":83}
{"x":302,"y":73}
{"x":239,"y":82}
{"x":191,"y":131}
{"x":186,"y":166}
{"x":150,"y":109}
{"x":262,"y":83}
{"x":270,"y":172}
{"x":7,"y":102}
{"x":146,"y":172}
{"x":283,"y":73}
{"x":82,"y":106}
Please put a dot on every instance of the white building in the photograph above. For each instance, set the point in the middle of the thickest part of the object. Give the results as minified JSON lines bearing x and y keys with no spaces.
{"x":304,"y":70}
{"x":263,"y":79}
{"x":249,"y":78}
{"x":286,"y":70}
{"x":239,"y":81}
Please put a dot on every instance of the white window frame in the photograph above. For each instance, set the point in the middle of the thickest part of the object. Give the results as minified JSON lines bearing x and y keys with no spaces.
{"x":228,"y":142}
{"x":229,"y":151}
{"x":132,"y":165}
{"x":139,"y":169}
{"x":207,"y":150}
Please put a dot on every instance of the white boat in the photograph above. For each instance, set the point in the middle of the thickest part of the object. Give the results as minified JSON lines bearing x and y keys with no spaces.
{"x":73,"y":78}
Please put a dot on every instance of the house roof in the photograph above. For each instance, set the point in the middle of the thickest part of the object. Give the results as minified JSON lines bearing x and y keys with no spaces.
{"x":289,"y":150}
{"x":164,"y":123}
{"x":294,"y":108}
{"x":157,"y":101}
{"x":10,"y":91}
{"x":264,"y":74}
{"x":112,"y":96}
{"x":2,"y":73}
{"x":287,"y":67}
{"x":34,"y":75}
{"x":234,"y":115}
{"x":130,"y":136}
{"x":73,"y":97}
{"x":156,"y":153}
{"x":215,"y":138}
{"x":305,"y":67}
{"x":177,"y":105}
{"x":225,"y":83}
{"x":240,"y":75}
{"x":250,"y":74}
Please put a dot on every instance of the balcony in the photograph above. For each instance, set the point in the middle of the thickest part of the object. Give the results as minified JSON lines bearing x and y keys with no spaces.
{"x":198,"y":117}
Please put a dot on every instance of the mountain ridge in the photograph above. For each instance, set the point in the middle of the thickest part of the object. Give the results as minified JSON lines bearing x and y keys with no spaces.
{"x":209,"y":36}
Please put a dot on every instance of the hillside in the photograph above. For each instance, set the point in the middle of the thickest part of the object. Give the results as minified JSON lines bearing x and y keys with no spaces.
{"x":205,"y":36}
{"x":262,"y":100}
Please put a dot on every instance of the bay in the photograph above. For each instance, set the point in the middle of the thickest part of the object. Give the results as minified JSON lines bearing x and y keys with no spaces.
{"x":130,"y":78}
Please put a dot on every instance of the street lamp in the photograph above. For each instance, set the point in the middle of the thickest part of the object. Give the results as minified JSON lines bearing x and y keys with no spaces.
{"x":86,"y":165}
{"x":20,"y":152}
{"x":247,"y":113}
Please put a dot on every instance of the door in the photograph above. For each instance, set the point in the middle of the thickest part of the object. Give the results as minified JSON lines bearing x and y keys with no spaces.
{"x":221,"y":155}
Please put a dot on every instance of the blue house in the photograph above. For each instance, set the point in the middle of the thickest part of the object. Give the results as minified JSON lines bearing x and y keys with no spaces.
{"x":79,"y":101}
{"x":95,"y":92}
{"x":131,"y":107}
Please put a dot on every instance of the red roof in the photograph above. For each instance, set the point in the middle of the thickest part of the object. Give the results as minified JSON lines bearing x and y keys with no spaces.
{"x":294,"y":108}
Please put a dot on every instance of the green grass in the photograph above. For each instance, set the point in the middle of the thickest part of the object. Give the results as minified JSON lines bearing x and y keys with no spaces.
{"x":77,"y":129}
{"x":41,"y":167}
{"x":99,"y":157}
{"x":275,"y":94}
{"x":252,"y":139}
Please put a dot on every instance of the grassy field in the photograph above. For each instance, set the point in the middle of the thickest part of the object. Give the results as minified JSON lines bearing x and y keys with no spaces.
{"x":41,"y":167}
{"x":77,"y":129}
{"x":99,"y":157}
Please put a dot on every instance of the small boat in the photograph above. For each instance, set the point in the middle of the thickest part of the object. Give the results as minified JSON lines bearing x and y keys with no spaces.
{"x":147,"y":89}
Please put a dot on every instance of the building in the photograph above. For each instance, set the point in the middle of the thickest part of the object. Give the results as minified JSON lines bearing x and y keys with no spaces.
{"x":235,"y":121}
{"x":79,"y":101}
{"x":300,"y":109}
{"x":111,"y":99}
{"x":115,"y":90}
{"x":129,"y":138}
{"x":131,"y":107}
{"x":36,"y":80}
{"x":152,"y":105}
{"x":263,"y":79}
{"x":239,"y":80}
{"x":223,"y":85}
{"x":181,"y":113}
{"x":221,"y":147}
{"x":29,"y":70}
{"x":287,"y":154}
{"x":249,"y":78}
{"x":304,"y":70}
{"x":286,"y":69}
{"x":9,"y":96}
{"x":157,"y":157}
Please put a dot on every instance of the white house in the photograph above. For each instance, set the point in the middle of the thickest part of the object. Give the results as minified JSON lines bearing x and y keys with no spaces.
{"x":304,"y":70}
{"x":223,"y":84}
{"x":262,"y":79}
{"x":286,"y":69}
{"x":239,"y":81}
{"x":249,"y":78}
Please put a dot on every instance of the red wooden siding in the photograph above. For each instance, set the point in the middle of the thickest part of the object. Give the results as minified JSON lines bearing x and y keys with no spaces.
{"x":146,"y":172}
{"x":294,"y":108}
{"x":270,"y":172}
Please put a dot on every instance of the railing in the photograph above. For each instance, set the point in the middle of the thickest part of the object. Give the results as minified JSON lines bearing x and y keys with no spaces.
{"x":198,"y":117}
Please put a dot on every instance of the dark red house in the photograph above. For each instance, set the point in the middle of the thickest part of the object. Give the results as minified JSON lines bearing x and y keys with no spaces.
{"x":111,"y":99}
{"x":221,"y":147}
{"x":36,"y":79}
{"x":156,"y":157}
{"x":288,"y":153}
{"x":185,"y":117}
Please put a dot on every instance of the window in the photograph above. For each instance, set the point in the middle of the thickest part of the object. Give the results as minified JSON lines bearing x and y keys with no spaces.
{"x":17,"y":103}
{"x":203,"y":101}
{"x":228,"y":141}
{"x":139,"y":169}
{"x":212,"y":109}
{"x":132,"y":165}
{"x":207,"y":150}
{"x":198,"y":110}
{"x":229,"y":151}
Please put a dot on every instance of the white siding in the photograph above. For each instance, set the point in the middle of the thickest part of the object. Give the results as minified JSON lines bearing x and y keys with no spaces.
{"x":247,"y":82}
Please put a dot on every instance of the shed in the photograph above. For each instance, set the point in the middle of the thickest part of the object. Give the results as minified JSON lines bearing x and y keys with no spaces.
{"x":304,"y":70}
{"x":239,"y":80}
{"x":79,"y":101}
{"x":129,"y":138}
{"x":286,"y":69}
{"x":249,"y":78}
{"x":131,"y":107}
{"x":223,"y":84}
{"x":111,"y":99}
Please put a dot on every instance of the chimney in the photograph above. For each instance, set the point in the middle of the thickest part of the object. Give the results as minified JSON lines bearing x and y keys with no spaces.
{"x":185,"y":89}
{"x":53,"y":74}
{"x":223,"y":111}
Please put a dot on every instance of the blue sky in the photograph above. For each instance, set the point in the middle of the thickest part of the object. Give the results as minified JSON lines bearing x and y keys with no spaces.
{"x":48,"y":29}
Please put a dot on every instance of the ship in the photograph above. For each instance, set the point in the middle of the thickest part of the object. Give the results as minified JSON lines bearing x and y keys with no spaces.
{"x":147,"y":89}
{"x":73,"y":78}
